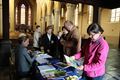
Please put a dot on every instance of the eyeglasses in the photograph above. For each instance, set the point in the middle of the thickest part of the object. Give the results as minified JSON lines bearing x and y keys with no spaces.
{"x":92,"y":34}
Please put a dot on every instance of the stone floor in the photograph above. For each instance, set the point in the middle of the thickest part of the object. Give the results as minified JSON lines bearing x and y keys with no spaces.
{"x":4,"y":74}
{"x":112,"y":65}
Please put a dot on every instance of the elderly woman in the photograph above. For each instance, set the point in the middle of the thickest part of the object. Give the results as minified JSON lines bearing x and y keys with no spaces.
{"x":73,"y":40}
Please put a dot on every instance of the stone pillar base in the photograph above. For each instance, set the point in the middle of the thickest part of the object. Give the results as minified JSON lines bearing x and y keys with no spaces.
{"x":5,"y":52}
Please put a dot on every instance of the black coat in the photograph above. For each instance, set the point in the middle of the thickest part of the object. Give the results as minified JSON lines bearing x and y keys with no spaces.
{"x":49,"y":44}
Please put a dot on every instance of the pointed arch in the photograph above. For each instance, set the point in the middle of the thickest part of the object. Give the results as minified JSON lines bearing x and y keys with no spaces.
{"x":29,"y":14}
{"x":22,"y":16}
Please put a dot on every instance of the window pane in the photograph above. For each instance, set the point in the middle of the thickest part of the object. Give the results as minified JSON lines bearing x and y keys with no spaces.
{"x":22,"y":14}
{"x":117,"y":14}
{"x":112,"y":19}
{"x":16,"y":15}
{"x":113,"y":13}
{"x":117,"y":19}
{"x":29,"y":16}
{"x":118,"y":10}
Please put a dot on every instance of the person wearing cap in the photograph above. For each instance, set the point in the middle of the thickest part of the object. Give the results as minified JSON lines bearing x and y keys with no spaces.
{"x":73,"y":41}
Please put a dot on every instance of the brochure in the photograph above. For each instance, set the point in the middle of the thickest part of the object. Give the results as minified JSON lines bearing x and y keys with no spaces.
{"x":71,"y":61}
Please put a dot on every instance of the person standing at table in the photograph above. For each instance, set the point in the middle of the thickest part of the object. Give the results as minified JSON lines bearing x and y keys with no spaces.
{"x":23,"y":61}
{"x":61,"y":42}
{"x":65,"y":33}
{"x":60,"y":46}
{"x":36,"y":38}
{"x":49,"y":42}
{"x":73,"y":41}
{"x":95,"y":52}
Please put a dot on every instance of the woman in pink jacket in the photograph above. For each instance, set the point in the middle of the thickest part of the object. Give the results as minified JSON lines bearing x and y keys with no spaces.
{"x":95,"y":52}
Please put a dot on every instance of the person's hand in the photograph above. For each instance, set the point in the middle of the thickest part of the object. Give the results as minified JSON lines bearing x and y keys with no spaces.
{"x":80,"y":67}
{"x":48,"y":50}
{"x":73,"y":57}
{"x":62,"y":41}
{"x":29,"y":51}
{"x":68,"y":64}
{"x":41,"y":48}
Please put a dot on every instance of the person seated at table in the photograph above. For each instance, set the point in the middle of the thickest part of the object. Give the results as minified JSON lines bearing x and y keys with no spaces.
{"x":23,"y":61}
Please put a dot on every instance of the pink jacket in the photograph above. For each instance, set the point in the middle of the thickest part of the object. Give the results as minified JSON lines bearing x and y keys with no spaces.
{"x":95,"y":54}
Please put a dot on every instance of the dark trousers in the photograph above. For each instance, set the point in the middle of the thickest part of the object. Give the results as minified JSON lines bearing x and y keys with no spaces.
{"x":85,"y":77}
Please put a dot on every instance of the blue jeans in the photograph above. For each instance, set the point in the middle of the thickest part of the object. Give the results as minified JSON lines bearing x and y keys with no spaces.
{"x":85,"y":77}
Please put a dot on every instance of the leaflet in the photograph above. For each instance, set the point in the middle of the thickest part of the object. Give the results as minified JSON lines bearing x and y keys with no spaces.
{"x":71,"y":61}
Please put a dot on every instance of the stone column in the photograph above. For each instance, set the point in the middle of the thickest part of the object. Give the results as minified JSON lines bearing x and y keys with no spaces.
{"x":49,"y":13}
{"x":49,"y":20}
{"x":43,"y":24}
{"x":1,"y":19}
{"x":5,"y":13}
{"x":5,"y":44}
{"x":96,"y":14}
{"x":80,"y":15}
{"x":57,"y":21}
{"x":38,"y":13}
{"x":70,"y":12}
{"x":57,"y":16}
{"x":43,"y":19}
{"x":26,"y":15}
{"x":19,"y":14}
{"x":34,"y":16}
{"x":80,"y":19}
{"x":12,"y":19}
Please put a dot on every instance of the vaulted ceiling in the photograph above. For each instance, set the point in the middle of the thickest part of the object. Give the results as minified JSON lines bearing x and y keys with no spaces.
{"x":110,"y":4}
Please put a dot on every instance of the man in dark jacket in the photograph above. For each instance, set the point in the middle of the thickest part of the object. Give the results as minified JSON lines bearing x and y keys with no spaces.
{"x":49,"y":42}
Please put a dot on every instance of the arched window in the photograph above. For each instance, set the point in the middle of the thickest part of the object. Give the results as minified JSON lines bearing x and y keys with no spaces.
{"x":22,"y":21}
{"x":25,"y":15}
{"x":29,"y":16}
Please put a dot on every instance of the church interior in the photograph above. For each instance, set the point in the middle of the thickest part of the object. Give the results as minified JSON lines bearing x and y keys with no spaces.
{"x":17,"y":16}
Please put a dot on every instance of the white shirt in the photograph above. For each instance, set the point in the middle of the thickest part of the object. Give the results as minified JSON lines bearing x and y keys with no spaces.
{"x":58,"y":37}
{"x":49,"y":36}
{"x":36,"y":37}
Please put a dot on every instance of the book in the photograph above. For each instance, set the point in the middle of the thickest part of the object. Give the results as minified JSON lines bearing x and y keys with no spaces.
{"x":46,"y":68}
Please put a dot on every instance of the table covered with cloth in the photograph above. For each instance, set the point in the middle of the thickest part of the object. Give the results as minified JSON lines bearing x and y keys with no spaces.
{"x":46,"y":67}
